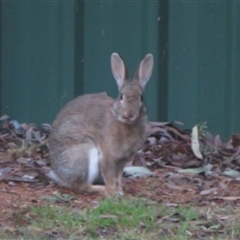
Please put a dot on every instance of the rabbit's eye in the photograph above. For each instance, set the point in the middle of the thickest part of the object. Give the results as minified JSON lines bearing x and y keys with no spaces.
{"x":121,"y":97}
{"x":141,"y":98}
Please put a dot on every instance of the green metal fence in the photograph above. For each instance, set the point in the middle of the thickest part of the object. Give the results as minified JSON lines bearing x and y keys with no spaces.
{"x":52,"y":51}
{"x":204,"y":64}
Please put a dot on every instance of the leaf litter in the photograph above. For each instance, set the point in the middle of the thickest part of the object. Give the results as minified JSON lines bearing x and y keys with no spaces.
{"x":175,"y":166}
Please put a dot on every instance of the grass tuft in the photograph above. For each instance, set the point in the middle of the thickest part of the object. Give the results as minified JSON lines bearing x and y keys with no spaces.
{"x":123,"y":219}
{"x":110,"y":217}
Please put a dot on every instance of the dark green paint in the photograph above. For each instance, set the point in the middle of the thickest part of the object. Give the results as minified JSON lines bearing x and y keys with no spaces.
{"x":204,"y":64}
{"x":37,"y":58}
{"x":128,"y":28}
{"x":52,"y":51}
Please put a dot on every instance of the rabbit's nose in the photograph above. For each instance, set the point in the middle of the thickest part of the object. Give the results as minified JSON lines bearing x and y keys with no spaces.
{"x":129,"y":116}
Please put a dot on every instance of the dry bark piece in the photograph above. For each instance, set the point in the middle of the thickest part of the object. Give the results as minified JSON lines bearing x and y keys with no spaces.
{"x":235,"y":140}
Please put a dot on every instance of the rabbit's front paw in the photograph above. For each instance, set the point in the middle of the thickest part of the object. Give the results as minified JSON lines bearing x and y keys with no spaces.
{"x":120,"y":191}
{"x":111,"y":190}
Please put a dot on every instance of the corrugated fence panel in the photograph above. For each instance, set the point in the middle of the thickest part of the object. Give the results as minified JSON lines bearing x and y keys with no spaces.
{"x":37,"y":58}
{"x":127,"y":27}
{"x":204,"y":64}
{"x":52,"y":51}
{"x":232,"y":80}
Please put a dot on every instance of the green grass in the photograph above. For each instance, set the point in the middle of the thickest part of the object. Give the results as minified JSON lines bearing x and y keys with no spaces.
{"x":132,"y":219}
{"x":112,"y":217}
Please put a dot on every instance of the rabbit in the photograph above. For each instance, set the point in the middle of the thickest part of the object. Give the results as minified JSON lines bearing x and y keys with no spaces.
{"x":94,"y":135}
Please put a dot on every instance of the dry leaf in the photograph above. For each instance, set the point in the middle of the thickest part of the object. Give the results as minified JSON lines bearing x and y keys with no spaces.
{"x":195,"y":143}
{"x":208,"y":191}
{"x":229,"y":198}
{"x":173,"y":186}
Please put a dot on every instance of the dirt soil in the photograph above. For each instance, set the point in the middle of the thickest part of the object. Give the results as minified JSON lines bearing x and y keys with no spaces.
{"x":24,"y":157}
{"x":158,"y":188}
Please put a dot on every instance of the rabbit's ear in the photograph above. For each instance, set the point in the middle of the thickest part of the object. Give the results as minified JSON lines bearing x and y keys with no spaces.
{"x":144,"y":70}
{"x":119,"y":70}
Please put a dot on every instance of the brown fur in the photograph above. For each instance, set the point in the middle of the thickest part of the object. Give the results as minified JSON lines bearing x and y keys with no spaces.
{"x":115,"y":127}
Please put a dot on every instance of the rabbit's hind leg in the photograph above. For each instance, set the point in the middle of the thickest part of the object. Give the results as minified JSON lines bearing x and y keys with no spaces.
{"x":88,"y":158}
{"x":70,"y":165}
{"x":77,"y":167}
{"x":96,"y":189}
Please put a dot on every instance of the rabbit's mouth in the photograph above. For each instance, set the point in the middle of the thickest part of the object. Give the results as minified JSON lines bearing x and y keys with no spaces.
{"x":127,"y":120}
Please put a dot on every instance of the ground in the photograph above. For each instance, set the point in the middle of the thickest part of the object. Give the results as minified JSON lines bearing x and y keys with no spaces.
{"x":178,"y":178}
{"x":163,"y":188}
